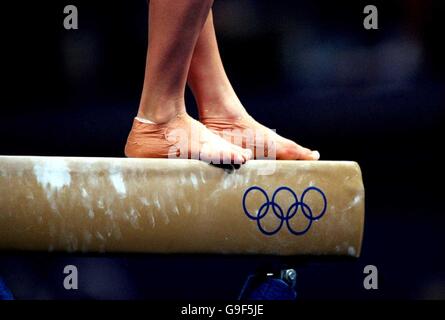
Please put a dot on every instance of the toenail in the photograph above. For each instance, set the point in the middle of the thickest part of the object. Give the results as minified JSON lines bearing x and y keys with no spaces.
{"x":316,"y":154}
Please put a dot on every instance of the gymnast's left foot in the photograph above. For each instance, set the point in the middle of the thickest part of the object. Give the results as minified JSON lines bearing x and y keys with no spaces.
{"x":238,"y":127}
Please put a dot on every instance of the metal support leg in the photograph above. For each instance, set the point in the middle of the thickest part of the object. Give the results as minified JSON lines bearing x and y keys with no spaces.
{"x":270,"y":286}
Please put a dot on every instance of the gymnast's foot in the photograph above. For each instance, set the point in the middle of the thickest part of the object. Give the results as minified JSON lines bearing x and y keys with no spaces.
{"x":181,"y":137}
{"x":236,"y":126}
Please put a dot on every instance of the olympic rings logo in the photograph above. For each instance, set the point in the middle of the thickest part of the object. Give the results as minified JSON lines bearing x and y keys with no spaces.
{"x":279,"y":213}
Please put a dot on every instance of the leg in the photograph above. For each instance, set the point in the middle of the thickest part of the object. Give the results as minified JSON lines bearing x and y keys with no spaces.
{"x":219,"y":107}
{"x":174,"y":27}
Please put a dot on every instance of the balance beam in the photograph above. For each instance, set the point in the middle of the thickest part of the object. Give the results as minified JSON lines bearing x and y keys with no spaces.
{"x":180,"y":206}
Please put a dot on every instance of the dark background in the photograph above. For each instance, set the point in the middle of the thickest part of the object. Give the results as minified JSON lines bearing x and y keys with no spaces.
{"x":306,"y":68}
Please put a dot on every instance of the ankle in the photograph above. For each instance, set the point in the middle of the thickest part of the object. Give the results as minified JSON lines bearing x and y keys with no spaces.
{"x":224,"y":105}
{"x":155,"y":118}
{"x":164,"y":112}
{"x":227,"y":107}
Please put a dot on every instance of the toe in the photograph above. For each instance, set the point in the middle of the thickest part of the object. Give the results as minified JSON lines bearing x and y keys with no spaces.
{"x":245,"y":153}
{"x":315,"y":155}
{"x":292,"y":151}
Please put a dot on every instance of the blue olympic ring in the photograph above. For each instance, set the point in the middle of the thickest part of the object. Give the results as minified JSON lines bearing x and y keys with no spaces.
{"x":278,"y":211}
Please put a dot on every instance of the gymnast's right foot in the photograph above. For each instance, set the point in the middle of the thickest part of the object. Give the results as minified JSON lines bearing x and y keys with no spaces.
{"x":181,"y":137}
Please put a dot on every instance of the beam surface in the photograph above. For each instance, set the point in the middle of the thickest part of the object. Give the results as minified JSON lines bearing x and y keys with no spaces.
{"x":180,"y":206}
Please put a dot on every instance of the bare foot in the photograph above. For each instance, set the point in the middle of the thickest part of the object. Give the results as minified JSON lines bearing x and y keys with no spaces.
{"x":245,"y":131}
{"x":181,"y":137}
